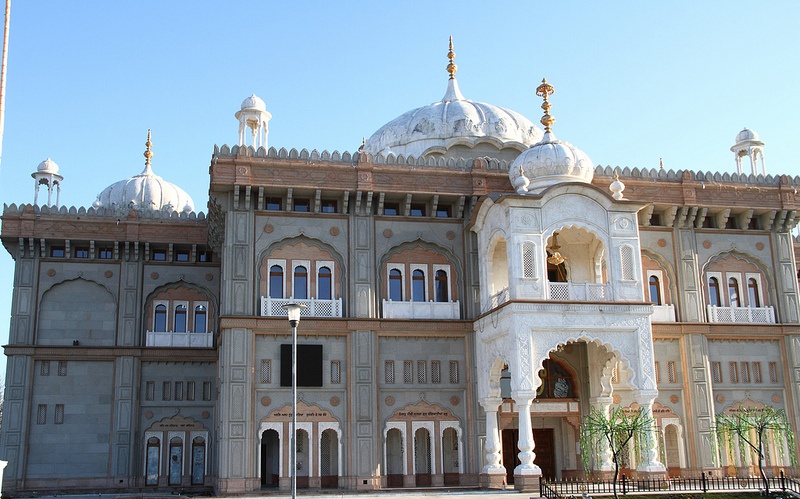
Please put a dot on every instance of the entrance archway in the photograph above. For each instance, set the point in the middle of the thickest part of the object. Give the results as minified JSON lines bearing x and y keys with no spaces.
{"x":329,"y":459}
{"x":450,"y":456}
{"x":422,"y":457}
{"x":394,"y":458}
{"x":270,"y":458}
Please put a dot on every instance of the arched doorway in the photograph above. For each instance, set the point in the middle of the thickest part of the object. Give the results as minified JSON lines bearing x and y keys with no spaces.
{"x":450,"y":456}
{"x":270,"y":458}
{"x":303,"y":459}
{"x":394,"y":458}
{"x":422,"y":457}
{"x":198,"y":461}
{"x":175,"y":460}
{"x":671,"y":449}
{"x":329,"y":459}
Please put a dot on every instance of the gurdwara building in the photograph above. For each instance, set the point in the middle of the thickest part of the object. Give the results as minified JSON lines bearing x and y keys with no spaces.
{"x":473,"y":286}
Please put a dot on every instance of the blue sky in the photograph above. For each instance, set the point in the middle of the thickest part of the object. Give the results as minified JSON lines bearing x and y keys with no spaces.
{"x":634,"y":81}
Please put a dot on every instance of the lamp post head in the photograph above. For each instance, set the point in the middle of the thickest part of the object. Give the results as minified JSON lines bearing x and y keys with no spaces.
{"x":293,"y":310}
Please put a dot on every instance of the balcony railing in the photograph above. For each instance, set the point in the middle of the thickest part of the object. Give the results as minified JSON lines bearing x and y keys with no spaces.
{"x":762,"y":315}
{"x":185,"y":340}
{"x":273,"y":307}
{"x":420,"y":310}
{"x":583,"y":291}
{"x":663,"y":313}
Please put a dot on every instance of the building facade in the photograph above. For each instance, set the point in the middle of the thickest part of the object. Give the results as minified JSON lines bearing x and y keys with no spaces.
{"x":473,"y":287}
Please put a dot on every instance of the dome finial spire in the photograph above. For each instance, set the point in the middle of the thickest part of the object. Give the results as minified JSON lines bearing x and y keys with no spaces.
{"x":544,"y":91}
{"x":148,"y":153}
{"x":451,"y":66}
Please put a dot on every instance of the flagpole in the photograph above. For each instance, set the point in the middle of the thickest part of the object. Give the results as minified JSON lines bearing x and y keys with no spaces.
{"x":3,"y":78}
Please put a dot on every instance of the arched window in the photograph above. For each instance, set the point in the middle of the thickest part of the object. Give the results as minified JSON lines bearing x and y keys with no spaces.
{"x":198,"y":460}
{"x":557,"y":382}
{"x":395,"y":285}
{"x":752,"y":293}
{"x":713,"y":292}
{"x":160,"y":319}
{"x":151,"y":466}
{"x":180,"y":318}
{"x":440,"y":283}
{"x":200,"y":323}
{"x":175,"y":461}
{"x":324,"y":284}
{"x":733,"y":293}
{"x":418,"y":285}
{"x":300,"y":283}
{"x":655,"y":290}
{"x":276,"y":281}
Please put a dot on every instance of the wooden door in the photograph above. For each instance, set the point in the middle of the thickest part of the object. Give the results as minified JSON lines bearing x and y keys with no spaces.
{"x":544,"y":447}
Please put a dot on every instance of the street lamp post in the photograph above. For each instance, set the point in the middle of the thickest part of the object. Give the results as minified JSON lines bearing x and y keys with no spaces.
{"x":293,"y":310}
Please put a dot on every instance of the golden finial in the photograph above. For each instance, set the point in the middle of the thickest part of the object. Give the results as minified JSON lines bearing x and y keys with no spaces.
{"x":544,"y":91}
{"x":148,"y":153}
{"x":451,"y":67}
{"x":363,"y":144}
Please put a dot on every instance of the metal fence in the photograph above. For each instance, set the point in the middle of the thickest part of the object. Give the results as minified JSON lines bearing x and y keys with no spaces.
{"x":560,"y":489}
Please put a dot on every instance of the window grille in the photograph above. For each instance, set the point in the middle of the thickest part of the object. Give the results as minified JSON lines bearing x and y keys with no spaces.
{"x":41,"y":414}
{"x":179,"y":390}
{"x":190,"y":389}
{"x":336,"y":372}
{"x":206,"y":390}
{"x":773,"y":372}
{"x":734,"y":372}
{"x":388,"y":371}
{"x":62,"y":367}
{"x":672,"y":375}
{"x":166,"y":390}
{"x":44,"y":368}
{"x":422,"y":372}
{"x":59,"y":416}
{"x":626,"y":262}
{"x":266,"y":371}
{"x":528,"y":261}
{"x":436,"y":371}
{"x":453,"y":371}
{"x":745,"y":372}
{"x":150,"y":390}
{"x":615,"y":373}
{"x":757,"y":372}
{"x":716,"y":372}
{"x":408,"y":371}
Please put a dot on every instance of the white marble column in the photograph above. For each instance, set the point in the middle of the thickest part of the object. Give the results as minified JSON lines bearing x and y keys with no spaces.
{"x":526,"y":443}
{"x":650,"y":461}
{"x":603,"y":404}
{"x":493,"y":446}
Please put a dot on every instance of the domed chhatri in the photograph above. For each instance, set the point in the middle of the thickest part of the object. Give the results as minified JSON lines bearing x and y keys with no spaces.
{"x":47,"y":166}
{"x":748,"y":144}
{"x":145,"y":192}
{"x":253,"y":103}
{"x":455,"y":127}
{"x":253,"y":117}
{"x":549,"y":161}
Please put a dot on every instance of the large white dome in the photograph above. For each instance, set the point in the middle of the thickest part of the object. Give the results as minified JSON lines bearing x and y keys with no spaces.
{"x":145,"y":192}
{"x":455,"y":127}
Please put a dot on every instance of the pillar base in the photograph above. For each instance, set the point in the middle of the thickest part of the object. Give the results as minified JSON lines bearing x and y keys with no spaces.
{"x":527,"y":483}
{"x":492,"y":481}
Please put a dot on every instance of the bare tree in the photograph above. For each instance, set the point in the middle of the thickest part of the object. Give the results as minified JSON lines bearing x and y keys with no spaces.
{"x":753,"y":427}
{"x":614,"y":431}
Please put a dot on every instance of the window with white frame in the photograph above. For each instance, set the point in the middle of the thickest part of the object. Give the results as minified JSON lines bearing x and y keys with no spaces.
{"x":714,"y":296}
{"x":734,"y":291}
{"x":441,"y":283}
{"x":324,"y":280}
{"x":395,"y":276}
{"x":180,"y":316}
{"x":300,"y":279}
{"x":754,"y":294}
{"x":185,"y":316}
{"x":418,"y":283}
{"x":655,"y":287}
{"x":160,"y":308}
{"x":200,"y":317}
{"x":276,"y":281}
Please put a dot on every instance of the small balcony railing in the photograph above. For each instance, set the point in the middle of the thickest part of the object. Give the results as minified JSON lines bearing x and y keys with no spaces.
{"x":183,"y":340}
{"x":663,"y":313}
{"x":420,"y":310}
{"x":759,"y":315}
{"x":582,"y":291}
{"x":273,"y":307}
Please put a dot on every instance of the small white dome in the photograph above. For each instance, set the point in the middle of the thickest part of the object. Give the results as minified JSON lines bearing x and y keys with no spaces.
{"x":48,"y":166}
{"x":745,"y":135}
{"x":549,"y":162}
{"x":253,"y":103}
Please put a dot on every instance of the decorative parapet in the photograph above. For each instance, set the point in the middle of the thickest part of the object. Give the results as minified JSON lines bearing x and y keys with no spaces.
{"x":13,"y":208}
{"x":699,"y":176}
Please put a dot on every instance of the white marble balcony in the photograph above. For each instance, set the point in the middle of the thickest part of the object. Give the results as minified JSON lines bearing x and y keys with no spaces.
{"x":273,"y":307}
{"x":663,"y":313}
{"x":757,"y":315}
{"x":420,"y":310}
{"x":581,"y":291}
{"x":180,"y":340}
